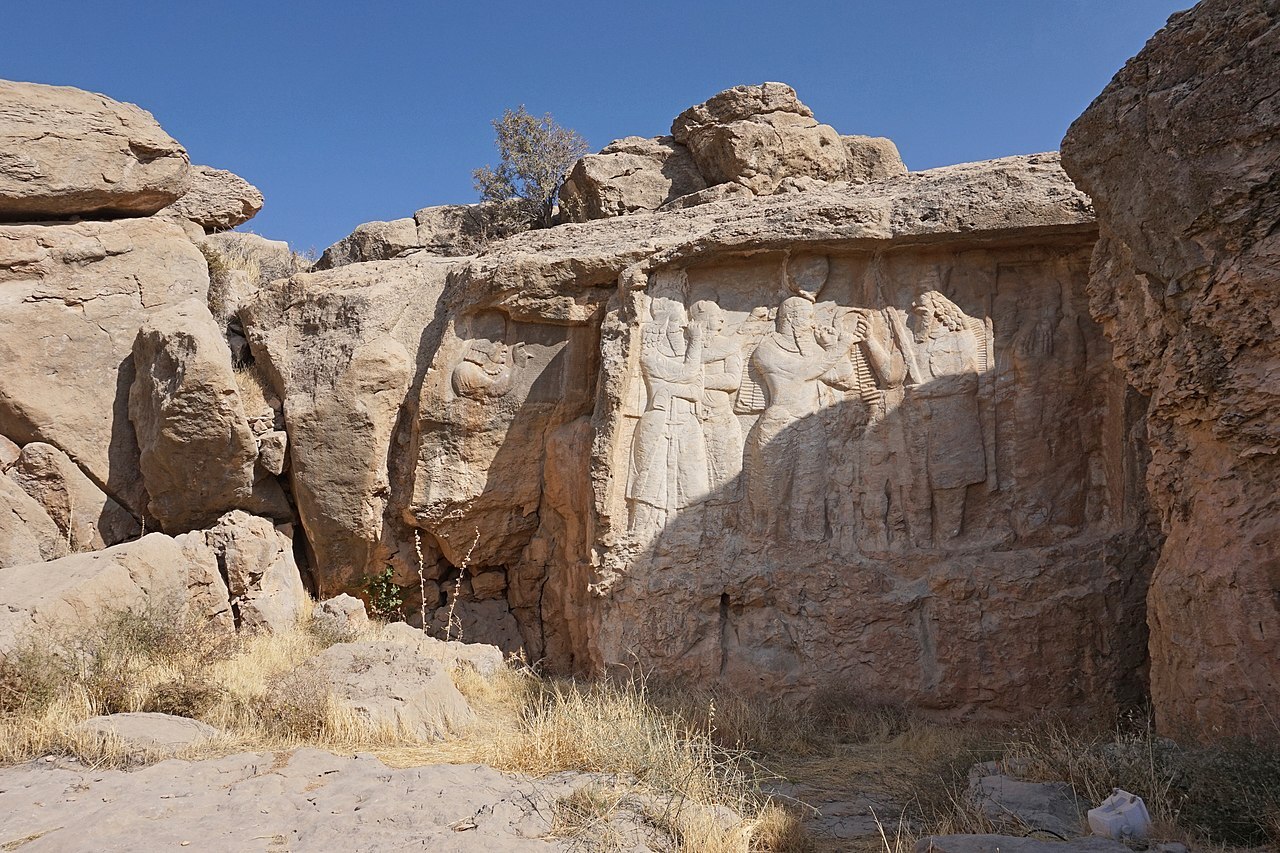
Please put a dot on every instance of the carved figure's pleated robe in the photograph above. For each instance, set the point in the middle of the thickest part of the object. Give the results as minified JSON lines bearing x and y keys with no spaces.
{"x":669,"y":468}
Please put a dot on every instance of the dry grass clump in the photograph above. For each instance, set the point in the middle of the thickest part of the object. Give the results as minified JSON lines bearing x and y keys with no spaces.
{"x":1221,"y":793}
{"x":253,"y":387}
{"x":671,"y":776}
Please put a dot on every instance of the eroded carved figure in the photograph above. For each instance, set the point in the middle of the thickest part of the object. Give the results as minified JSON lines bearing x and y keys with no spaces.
{"x":787,"y":447}
{"x":721,"y":378}
{"x":486,"y":369}
{"x":669,"y":462}
{"x":944,"y":404}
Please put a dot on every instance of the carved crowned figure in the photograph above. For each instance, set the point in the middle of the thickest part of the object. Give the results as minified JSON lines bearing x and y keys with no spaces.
{"x":787,"y":447}
{"x":669,"y":469}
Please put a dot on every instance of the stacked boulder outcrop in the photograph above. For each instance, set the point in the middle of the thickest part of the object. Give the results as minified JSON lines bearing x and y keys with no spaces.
{"x":120,"y":408}
{"x":765,"y":410}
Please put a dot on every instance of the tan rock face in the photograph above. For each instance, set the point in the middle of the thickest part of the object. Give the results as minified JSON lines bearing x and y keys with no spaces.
{"x":53,"y":599}
{"x":86,"y":518}
{"x":196,"y":449}
{"x":759,"y":135}
{"x":819,"y":439}
{"x":631,"y":175}
{"x":217,"y":199}
{"x":872,"y":158}
{"x":392,"y":683}
{"x":67,"y":152}
{"x":27,"y":533}
{"x":1180,"y":154}
{"x":339,"y":347}
{"x":256,"y":559}
{"x":372,"y":241}
{"x":72,"y":298}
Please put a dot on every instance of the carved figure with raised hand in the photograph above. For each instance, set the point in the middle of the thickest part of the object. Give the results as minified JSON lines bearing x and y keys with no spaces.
{"x":669,"y":467}
{"x":873,"y":371}
{"x":721,"y":376}
{"x":787,"y":447}
{"x":945,"y":404}
{"x":487,"y":369}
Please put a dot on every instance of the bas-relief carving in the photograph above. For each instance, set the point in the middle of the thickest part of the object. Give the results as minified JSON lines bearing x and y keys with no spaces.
{"x":486,"y":369}
{"x":821,"y":422}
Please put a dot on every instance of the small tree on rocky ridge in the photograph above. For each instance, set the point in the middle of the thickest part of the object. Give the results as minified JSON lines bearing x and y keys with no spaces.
{"x":537,"y":155}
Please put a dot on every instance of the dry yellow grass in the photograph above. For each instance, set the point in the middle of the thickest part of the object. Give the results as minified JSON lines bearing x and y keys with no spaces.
{"x":669,"y":757}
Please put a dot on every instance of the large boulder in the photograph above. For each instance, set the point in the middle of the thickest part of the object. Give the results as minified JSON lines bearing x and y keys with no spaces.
{"x":631,"y":175}
{"x":1180,"y":154}
{"x":197,"y":452}
{"x":217,"y":200}
{"x":256,"y":557}
{"x":372,"y":241}
{"x":162,"y":734}
{"x":872,"y":158}
{"x":27,"y":533}
{"x":86,"y":518}
{"x":758,"y":136}
{"x":65,"y":152}
{"x":59,"y":598}
{"x":341,"y":350}
{"x":394,"y":685}
{"x":72,"y":298}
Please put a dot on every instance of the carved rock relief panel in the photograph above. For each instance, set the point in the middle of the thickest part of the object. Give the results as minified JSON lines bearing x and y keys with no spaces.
{"x":875,"y":403}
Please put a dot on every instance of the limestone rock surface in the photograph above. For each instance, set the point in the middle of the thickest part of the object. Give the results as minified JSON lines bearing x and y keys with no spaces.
{"x":342,"y":614}
{"x":217,"y":199}
{"x":66,"y":152}
{"x":372,"y":241}
{"x":872,"y":158}
{"x":27,"y":533}
{"x":631,"y":175}
{"x":341,"y":349}
{"x":313,"y":801}
{"x":56,"y":598}
{"x":393,"y":684}
{"x":72,"y":298}
{"x":196,"y":449}
{"x":9,"y":453}
{"x":759,"y":135}
{"x":86,"y":518}
{"x":256,"y":559}
{"x":1024,"y":807}
{"x":152,"y":732}
{"x":592,"y":425}
{"x":1180,"y":154}
{"x":483,"y":658}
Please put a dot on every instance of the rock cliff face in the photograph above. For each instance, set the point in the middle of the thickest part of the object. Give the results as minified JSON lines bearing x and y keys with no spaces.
{"x":861,"y":436}
{"x":1181,"y":154}
{"x":775,"y":414}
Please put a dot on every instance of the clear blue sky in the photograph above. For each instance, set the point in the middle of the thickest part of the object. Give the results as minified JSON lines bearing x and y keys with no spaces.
{"x":345,"y":112}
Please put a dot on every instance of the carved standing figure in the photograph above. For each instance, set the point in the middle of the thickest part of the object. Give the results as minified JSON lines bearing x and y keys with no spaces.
{"x":873,"y":371}
{"x":787,"y":447}
{"x":721,"y":376}
{"x":669,"y":469}
{"x":946,"y":405}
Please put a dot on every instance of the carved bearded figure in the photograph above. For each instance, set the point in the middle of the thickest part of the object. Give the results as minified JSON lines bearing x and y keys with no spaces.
{"x":669,"y":468}
{"x":787,"y":448}
{"x":721,"y":376}
{"x":946,"y":404}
